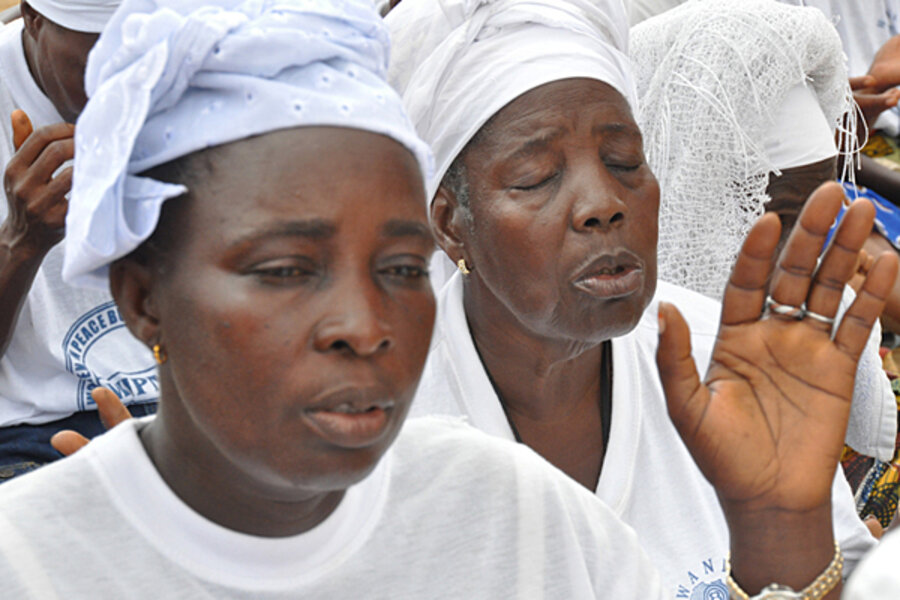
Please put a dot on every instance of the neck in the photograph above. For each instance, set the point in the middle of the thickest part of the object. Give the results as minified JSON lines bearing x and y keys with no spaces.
{"x":211,"y":485}
{"x":30,"y":51}
{"x":536,"y":377}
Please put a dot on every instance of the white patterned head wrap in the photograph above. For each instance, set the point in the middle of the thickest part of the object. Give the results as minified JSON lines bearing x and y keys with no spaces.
{"x":458,"y":62}
{"x":171,"y":77}
{"x":729,"y":93}
{"x":87,"y":16}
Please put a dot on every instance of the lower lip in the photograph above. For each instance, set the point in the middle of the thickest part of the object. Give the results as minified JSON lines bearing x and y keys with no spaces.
{"x":612,"y":286}
{"x":350,"y":430}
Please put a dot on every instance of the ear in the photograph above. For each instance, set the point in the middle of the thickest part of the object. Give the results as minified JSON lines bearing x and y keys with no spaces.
{"x":32,"y":19}
{"x":448,"y":221}
{"x":131,"y":284}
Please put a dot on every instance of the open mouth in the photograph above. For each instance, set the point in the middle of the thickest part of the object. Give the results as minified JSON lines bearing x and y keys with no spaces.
{"x":611,"y":277}
{"x":354,"y":424}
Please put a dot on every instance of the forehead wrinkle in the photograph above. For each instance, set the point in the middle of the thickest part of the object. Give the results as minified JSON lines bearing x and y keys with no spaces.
{"x":526,"y":146}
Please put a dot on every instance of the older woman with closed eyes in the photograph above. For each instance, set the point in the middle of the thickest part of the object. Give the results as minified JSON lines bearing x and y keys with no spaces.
{"x":544,"y":202}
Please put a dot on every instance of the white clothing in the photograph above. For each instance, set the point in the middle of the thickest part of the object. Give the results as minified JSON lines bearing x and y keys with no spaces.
{"x":864,"y":26}
{"x":641,"y":10}
{"x":67,"y":341}
{"x":171,"y":77}
{"x":649,"y":478}
{"x":458,"y":62}
{"x":714,"y":133}
{"x":89,"y":16}
{"x":713,"y":77}
{"x":448,"y":513}
{"x":877,"y":577}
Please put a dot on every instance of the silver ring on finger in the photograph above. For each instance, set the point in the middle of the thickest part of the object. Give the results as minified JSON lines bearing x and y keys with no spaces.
{"x":784,"y":310}
{"x":820,"y":318}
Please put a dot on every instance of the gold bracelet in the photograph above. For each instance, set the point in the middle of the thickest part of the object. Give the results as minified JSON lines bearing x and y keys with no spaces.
{"x":823,"y":584}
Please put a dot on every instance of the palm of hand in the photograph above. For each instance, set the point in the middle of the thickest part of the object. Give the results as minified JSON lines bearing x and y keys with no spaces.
{"x":766,"y":427}
{"x":773,"y":429}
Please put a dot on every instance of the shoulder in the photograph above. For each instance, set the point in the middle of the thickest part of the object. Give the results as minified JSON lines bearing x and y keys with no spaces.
{"x":877,"y":577}
{"x":484,"y":464}
{"x":66,"y":488}
{"x":468,"y":481}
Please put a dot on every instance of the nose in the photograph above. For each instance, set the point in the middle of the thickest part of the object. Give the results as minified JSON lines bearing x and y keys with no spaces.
{"x":598,"y":205}
{"x":354,"y":323}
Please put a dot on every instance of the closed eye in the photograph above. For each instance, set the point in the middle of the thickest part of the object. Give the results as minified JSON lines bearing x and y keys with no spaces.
{"x":538,"y":185}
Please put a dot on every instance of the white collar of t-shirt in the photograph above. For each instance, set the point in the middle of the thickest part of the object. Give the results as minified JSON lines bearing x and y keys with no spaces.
{"x":482,"y":405}
{"x":17,"y":77}
{"x":220,"y":555}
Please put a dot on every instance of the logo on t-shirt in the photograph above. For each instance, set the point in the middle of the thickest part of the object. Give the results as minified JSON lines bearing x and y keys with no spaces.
{"x":706,"y":582}
{"x":96,"y":341}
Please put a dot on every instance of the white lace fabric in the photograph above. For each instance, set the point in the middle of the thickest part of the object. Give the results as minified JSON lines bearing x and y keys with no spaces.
{"x":711,"y":75}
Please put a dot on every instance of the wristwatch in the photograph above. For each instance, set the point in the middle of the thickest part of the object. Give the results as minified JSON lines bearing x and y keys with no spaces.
{"x":823,"y":584}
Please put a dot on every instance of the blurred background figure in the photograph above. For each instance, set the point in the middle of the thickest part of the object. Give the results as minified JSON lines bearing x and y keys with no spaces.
{"x":57,"y":343}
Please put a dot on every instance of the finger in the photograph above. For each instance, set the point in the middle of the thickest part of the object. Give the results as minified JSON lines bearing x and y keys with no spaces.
{"x":874,"y":527}
{"x":862,"y":82}
{"x":21,"y":126}
{"x":51,"y":158}
{"x":793,"y":274}
{"x":36,"y":142}
{"x":68,"y":442}
{"x":840,"y":262}
{"x":746,"y":289}
{"x":112,"y":411}
{"x":856,"y":325}
{"x":54,"y":194}
{"x":686,"y":396}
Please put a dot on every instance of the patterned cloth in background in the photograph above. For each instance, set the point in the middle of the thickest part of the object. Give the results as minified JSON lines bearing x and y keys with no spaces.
{"x":875,"y":483}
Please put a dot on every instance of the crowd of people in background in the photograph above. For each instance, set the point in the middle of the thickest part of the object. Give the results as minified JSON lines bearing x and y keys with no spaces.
{"x":450,"y":298}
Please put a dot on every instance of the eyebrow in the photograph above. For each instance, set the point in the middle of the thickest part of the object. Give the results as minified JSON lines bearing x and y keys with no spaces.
{"x":314,"y":229}
{"x":397,"y":228}
{"x":616,"y":128}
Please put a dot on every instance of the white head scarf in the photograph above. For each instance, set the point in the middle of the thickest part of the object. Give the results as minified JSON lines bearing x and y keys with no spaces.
{"x":88,"y":16}
{"x":458,"y":62}
{"x":731,"y":92}
{"x":170,"y":77}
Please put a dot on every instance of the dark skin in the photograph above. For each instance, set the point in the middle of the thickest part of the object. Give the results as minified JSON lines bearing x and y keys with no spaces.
{"x":558,"y":179}
{"x":36,"y":198}
{"x":755,"y":424}
{"x":766,"y":424}
{"x":56,"y":58}
{"x":790,"y":190}
{"x":276,"y":306}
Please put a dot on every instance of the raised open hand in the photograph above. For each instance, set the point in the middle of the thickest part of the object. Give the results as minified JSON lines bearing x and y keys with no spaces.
{"x":766,"y":425}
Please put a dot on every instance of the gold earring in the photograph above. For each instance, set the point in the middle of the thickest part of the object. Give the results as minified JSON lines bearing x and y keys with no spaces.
{"x":159,"y":355}
{"x":461,"y":263}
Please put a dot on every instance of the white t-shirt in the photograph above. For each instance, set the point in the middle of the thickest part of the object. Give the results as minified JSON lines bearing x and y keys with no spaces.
{"x":649,"y":478}
{"x":878,"y":576}
{"x":448,"y":513}
{"x":67,"y":340}
{"x":864,"y":26}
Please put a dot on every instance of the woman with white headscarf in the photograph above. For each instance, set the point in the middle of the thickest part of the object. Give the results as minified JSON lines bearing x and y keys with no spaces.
{"x":251,"y":190}
{"x":548,"y":332}
{"x":739,"y":108}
